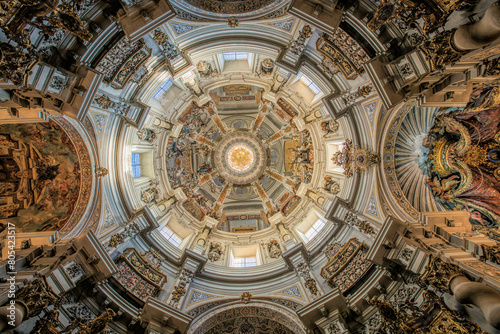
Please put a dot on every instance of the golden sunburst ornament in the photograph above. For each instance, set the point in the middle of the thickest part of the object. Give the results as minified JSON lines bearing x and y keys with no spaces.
{"x":240,"y":157}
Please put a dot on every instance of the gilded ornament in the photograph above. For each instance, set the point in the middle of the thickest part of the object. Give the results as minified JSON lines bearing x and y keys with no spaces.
{"x":205,"y":69}
{"x":341,"y":53}
{"x":266,"y":66}
{"x":346,"y":265}
{"x":439,"y":274}
{"x":240,"y":157}
{"x":434,"y":13}
{"x":16,"y":64}
{"x":331,"y":186}
{"x":492,"y":68}
{"x":492,"y":253}
{"x":101,"y":171}
{"x":439,"y":51}
{"x":432,"y":317}
{"x":99,"y":324}
{"x":178,"y":293}
{"x":147,"y":135}
{"x":311,"y":286}
{"x":232,"y":22}
{"x":104,"y":101}
{"x":115,"y":240}
{"x":364,"y":91}
{"x":149,"y":195}
{"x":299,"y":45}
{"x":160,"y":37}
{"x":353,"y":159}
{"x":48,"y":324}
{"x":330,"y":127}
{"x":36,"y":296}
{"x":246,"y":297}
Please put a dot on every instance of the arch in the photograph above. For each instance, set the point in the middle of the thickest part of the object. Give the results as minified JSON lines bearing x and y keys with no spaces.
{"x":257,"y":315}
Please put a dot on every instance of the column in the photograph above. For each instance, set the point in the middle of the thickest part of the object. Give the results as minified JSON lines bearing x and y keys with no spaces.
{"x":202,"y":240}
{"x":283,"y":232}
{"x":165,"y":205}
{"x":448,"y":277}
{"x":162,"y":124}
{"x":475,"y":35}
{"x":317,"y":198}
{"x":11,"y":315}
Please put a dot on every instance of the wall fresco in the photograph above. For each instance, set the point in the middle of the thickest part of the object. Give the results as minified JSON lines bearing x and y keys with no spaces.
{"x":39,"y":176}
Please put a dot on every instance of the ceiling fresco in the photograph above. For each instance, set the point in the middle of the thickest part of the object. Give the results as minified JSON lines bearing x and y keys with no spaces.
{"x":240,"y":159}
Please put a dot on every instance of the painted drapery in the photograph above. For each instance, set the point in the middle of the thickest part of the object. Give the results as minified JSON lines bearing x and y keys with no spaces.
{"x":464,"y":157}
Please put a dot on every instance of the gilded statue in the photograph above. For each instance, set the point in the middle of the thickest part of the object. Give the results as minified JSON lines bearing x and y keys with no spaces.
{"x":99,"y":324}
{"x":463,"y":157}
{"x":432,"y":316}
{"x":434,"y":13}
{"x":354,"y":159}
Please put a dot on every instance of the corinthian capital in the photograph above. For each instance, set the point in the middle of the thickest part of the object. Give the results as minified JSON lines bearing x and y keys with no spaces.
{"x":439,"y":274}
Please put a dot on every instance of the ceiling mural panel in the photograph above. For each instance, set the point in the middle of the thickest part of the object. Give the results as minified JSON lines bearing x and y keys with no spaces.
{"x":40,"y":176}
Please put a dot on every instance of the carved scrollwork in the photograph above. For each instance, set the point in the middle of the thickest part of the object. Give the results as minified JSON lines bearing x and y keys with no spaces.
{"x":492,"y":253}
{"x":439,"y":51}
{"x":431,"y":317}
{"x":353,"y":159}
{"x":439,"y":274}
{"x":36,"y":296}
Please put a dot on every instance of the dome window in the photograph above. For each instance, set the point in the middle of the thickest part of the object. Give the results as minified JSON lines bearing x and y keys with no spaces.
{"x":171,"y":237}
{"x":235,"y":56}
{"x":315,"y":229}
{"x":162,"y":90}
{"x":243,"y":262}
{"x":136,"y":165}
{"x":243,"y":257}
{"x":310,"y":84}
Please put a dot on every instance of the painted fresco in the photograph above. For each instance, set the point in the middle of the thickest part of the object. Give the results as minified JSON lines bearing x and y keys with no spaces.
{"x":463,"y":151}
{"x":299,"y":159}
{"x":39,"y":176}
{"x":180,"y":151}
